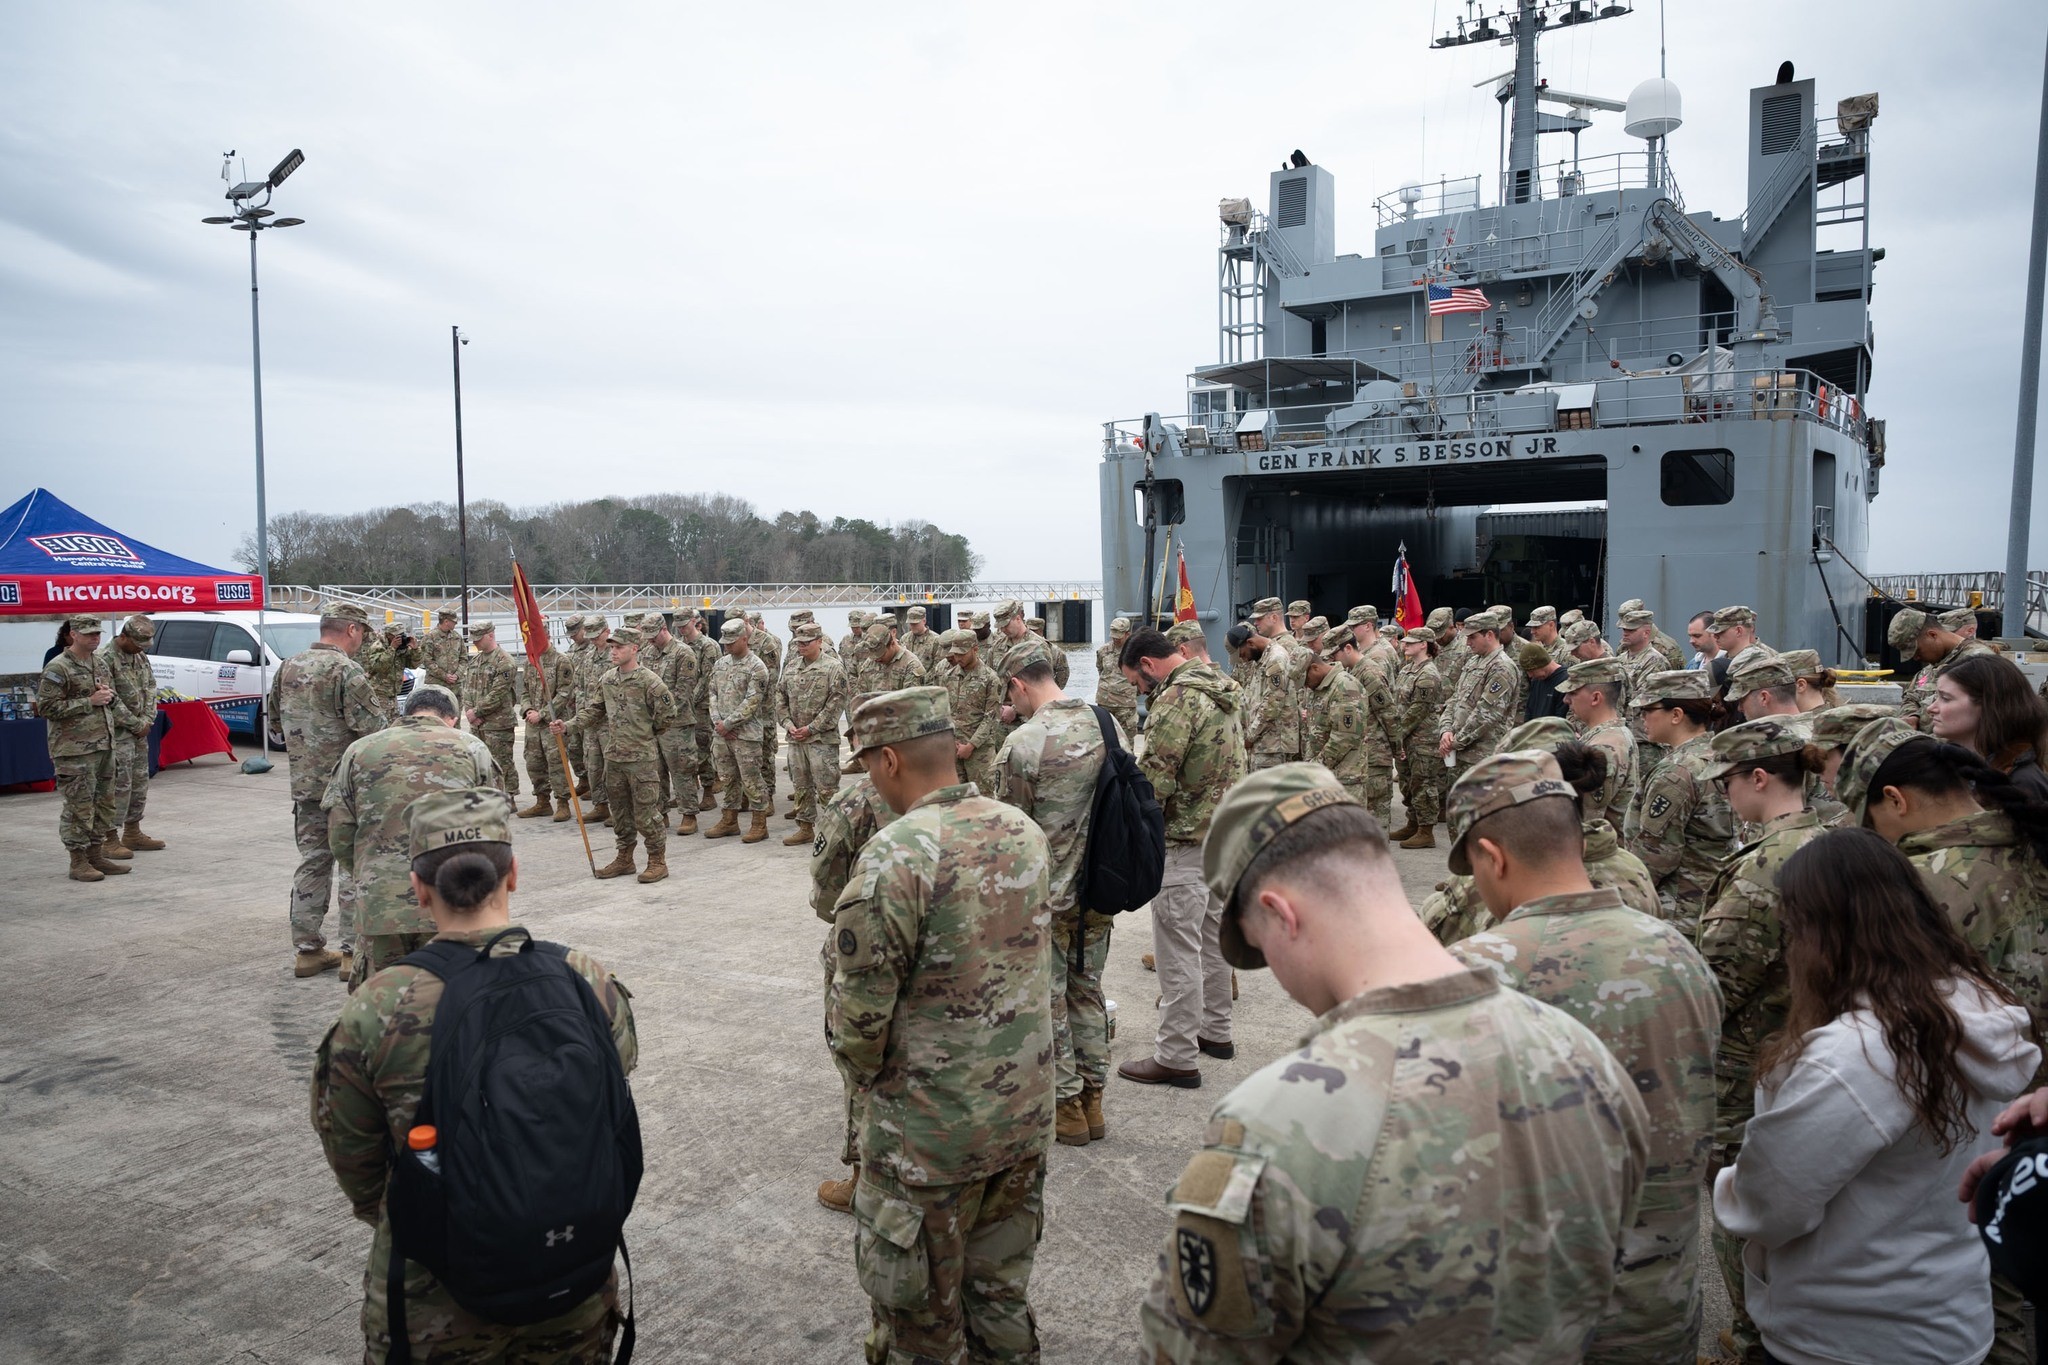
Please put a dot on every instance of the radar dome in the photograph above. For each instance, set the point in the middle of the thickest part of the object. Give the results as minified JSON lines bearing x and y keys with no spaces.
{"x":1653,"y":109}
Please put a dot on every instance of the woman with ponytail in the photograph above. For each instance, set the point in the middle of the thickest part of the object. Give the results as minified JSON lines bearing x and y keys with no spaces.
{"x":1679,"y":823}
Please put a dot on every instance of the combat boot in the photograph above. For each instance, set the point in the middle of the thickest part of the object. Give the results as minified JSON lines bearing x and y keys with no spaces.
{"x":1402,"y":833}
{"x":837,"y":1195}
{"x":134,"y":838}
{"x":1070,"y":1123}
{"x":1091,"y":1105}
{"x":314,"y":962}
{"x":82,"y":869}
{"x":561,"y":812}
{"x":601,"y":813}
{"x":1421,"y":838}
{"x":112,"y":847}
{"x":757,"y":831}
{"x":802,"y":835}
{"x":727,"y":826}
{"x":1147,"y":963}
{"x":688,"y":824}
{"x":707,"y":801}
{"x":583,"y":787}
{"x":347,"y":968}
{"x":539,"y":808}
{"x":621,"y":863}
{"x":97,"y":856}
{"x":657,"y":861}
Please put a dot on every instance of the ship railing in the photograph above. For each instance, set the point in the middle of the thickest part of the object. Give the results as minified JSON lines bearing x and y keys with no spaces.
{"x":1607,"y":174}
{"x":494,"y":600}
{"x":1435,"y":199}
{"x":1985,"y":590}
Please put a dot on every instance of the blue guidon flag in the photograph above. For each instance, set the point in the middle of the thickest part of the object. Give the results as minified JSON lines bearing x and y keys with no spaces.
{"x":1445,"y":299}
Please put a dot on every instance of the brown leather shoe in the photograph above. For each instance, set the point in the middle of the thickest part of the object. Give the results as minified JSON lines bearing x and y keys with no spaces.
{"x":1091,"y":1106}
{"x":1398,"y":835}
{"x":688,"y":824}
{"x":800,"y":836}
{"x":112,"y":847}
{"x":1147,"y":1071}
{"x":82,"y":869}
{"x":315,"y":962}
{"x":1148,"y":963}
{"x":1070,"y":1123}
{"x":727,"y":826}
{"x":757,"y":831}
{"x":1421,"y":838}
{"x":134,"y":838}
{"x":620,"y":865}
{"x":837,"y":1195}
{"x":561,"y":811}
{"x":536,"y":810}
{"x":1223,"y":1050}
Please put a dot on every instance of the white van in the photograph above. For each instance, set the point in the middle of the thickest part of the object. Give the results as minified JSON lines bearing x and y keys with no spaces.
{"x":210,"y":656}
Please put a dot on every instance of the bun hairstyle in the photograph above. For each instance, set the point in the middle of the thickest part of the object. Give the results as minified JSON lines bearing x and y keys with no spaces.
{"x":466,"y":875}
{"x":1943,"y":769}
{"x":1584,"y":766}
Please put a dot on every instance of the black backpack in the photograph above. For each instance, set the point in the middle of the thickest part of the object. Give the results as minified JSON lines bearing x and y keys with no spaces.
{"x":538,"y":1148}
{"x":1126,"y":855}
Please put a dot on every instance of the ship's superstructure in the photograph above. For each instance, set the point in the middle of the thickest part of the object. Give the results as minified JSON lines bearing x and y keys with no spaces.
{"x":1594,"y":340}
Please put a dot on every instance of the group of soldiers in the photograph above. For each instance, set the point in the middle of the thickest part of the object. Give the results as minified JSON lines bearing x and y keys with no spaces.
{"x":98,"y":702}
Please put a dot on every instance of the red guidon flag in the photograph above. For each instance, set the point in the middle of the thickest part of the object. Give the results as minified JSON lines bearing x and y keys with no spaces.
{"x":1407,"y":601}
{"x":1184,"y":596}
{"x":533,"y":630}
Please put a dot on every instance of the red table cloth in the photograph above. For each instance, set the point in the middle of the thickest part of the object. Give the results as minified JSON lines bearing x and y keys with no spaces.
{"x":194,"y":732}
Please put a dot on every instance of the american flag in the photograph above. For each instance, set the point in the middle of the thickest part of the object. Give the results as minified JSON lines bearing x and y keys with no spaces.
{"x":1444,"y":299}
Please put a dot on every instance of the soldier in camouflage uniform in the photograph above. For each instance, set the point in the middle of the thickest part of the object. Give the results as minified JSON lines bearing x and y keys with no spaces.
{"x":676,"y":665}
{"x":849,"y":643}
{"x":1377,"y":693}
{"x":547,"y":682}
{"x":1337,"y":720}
{"x":1597,"y":690}
{"x":1483,"y":707}
{"x":490,"y":685}
{"x":1455,"y":910}
{"x":634,"y":711}
{"x":1679,"y":824}
{"x":1358,"y":1199}
{"x":810,"y":701}
{"x":1667,"y":649}
{"x":75,"y":698}
{"x":323,"y":704}
{"x":378,"y":777}
{"x":1194,"y":752}
{"x":1640,"y":657}
{"x":940,"y":1019}
{"x":1060,"y":667}
{"x":1583,"y":641}
{"x":1453,"y":652}
{"x":1047,"y":769}
{"x":920,"y":639}
{"x":385,"y":657}
{"x":126,"y":660}
{"x":1642,"y":989}
{"x":1734,"y":630}
{"x":1007,"y":621}
{"x":1113,"y":692}
{"x":740,"y":705}
{"x":595,"y":662}
{"x":566,"y":702}
{"x":367,"y":1081}
{"x":442,"y":653}
{"x":1828,"y":735}
{"x":1412,"y":730}
{"x":1922,"y":640}
{"x":882,"y":664}
{"x":690,"y":630}
{"x":974,"y":695}
{"x":1545,"y":630}
{"x":1272,"y":715}
{"x":768,"y":649}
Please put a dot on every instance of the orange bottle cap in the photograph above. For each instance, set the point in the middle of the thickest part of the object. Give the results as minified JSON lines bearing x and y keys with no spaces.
{"x":423,"y":1138}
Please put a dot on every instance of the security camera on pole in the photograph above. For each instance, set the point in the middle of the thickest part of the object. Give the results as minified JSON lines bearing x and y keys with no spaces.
{"x":252,"y":214}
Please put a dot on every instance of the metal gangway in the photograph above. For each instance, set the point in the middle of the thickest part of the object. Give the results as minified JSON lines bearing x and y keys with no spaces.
{"x":1984,"y":589}
{"x":494,"y":600}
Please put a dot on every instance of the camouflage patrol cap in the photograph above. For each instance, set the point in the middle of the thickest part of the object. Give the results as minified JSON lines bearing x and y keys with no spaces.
{"x":1603,"y":672}
{"x":1754,"y":669}
{"x":1668,"y":685}
{"x":1419,"y":635}
{"x":627,"y":635}
{"x":958,"y":641}
{"x":1770,"y":737}
{"x":1027,"y":651}
{"x":1962,"y":618}
{"x":797,"y":618}
{"x":596,"y":621}
{"x":1570,"y":618}
{"x":1802,"y":663}
{"x":479,"y":629}
{"x":897,"y":717}
{"x":1542,"y":616}
{"x":448,"y":614}
{"x":1315,"y":625}
{"x":1531,"y":655}
{"x":1334,"y":642}
{"x":1359,"y":614}
{"x":142,"y":628}
{"x":1728,"y":617}
{"x":1439,"y":620}
{"x":345,"y":611}
{"x":1865,"y":754}
{"x":1249,"y":817}
{"x":1180,"y":632}
{"x":1490,"y":619}
{"x":977,"y":620}
{"x":806,"y":632}
{"x":1833,"y":727}
{"x":735,"y":628}
{"x":1637,"y":618}
{"x":914,"y":614}
{"x":1547,"y":733}
{"x":1905,"y":628}
{"x":1511,"y":778}
{"x":83,"y":625}
{"x":1265,"y":606}
{"x":653,"y":622}
{"x":754,"y":615}
{"x":1633,"y":604}
{"x":1035,"y":623}
{"x":1005,"y":610}
{"x":447,"y":819}
{"x":876,"y":637}
{"x":858,"y":619}
{"x":1120,"y":626}
{"x":1299,"y":607}
{"x":1579,"y":632}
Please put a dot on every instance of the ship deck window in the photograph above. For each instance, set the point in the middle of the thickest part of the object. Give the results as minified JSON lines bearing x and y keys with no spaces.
{"x":1698,"y":478}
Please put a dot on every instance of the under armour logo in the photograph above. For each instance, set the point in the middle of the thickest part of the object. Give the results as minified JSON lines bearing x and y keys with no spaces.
{"x":567,"y":1234}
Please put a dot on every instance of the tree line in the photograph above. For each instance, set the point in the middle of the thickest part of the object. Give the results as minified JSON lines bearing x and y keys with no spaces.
{"x":659,"y":538}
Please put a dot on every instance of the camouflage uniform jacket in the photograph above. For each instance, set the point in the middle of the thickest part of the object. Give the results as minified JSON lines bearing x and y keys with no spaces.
{"x":134,"y":684}
{"x":708,"y":654}
{"x":812,"y":693}
{"x":1336,"y":726}
{"x":1618,"y":791}
{"x":634,"y":708}
{"x":367,"y":1079}
{"x":441,"y":655}
{"x":976,"y":696}
{"x":677,"y":666}
{"x":1913,"y":706}
{"x":489,"y":685}
{"x":323,"y":703}
{"x":1194,"y":751}
{"x":378,"y":777}
{"x":569,"y":700}
{"x":1363,"y":1197}
{"x":1061,"y":670}
{"x":590,"y":671}
{"x":560,"y":690}
{"x":1418,"y":696}
{"x":1668,"y":649}
{"x":1450,"y":662}
{"x":1644,"y":991}
{"x":766,"y":648}
{"x":1112,"y":688}
{"x":1272,"y":721}
{"x":1682,"y":829}
{"x":1483,"y":709}
{"x":925,"y":646}
{"x":871,"y":677}
{"x":382,"y":664}
{"x":1047,"y":769}
{"x":1741,"y":940}
{"x":845,"y":824}
{"x":1454,"y":910}
{"x":64,"y":701}
{"x":1982,"y":873}
{"x":739,"y":695}
{"x":940,"y":1014}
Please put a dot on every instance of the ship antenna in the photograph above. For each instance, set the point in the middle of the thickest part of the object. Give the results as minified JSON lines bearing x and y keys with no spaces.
{"x":1660,"y":40}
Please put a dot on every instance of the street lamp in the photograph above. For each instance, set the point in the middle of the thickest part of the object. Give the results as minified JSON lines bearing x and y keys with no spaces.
{"x":456,"y":341}
{"x":251,"y":213}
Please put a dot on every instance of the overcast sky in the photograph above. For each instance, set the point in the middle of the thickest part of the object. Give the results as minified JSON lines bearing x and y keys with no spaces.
{"x":887,"y":261}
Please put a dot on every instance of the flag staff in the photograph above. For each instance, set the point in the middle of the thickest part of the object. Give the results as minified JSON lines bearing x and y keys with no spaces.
{"x":533,"y":632}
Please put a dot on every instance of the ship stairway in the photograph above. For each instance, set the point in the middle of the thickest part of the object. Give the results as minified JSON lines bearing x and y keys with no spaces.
{"x":1986,"y":590}
{"x":1561,"y":312}
{"x":1279,"y":258}
{"x":1793,"y":169}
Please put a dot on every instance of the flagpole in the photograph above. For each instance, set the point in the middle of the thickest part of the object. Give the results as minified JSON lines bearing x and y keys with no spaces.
{"x":522,"y":594}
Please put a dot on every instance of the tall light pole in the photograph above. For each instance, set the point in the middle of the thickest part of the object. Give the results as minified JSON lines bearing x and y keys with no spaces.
{"x":456,"y":341}
{"x":252,"y":214}
{"x":2020,"y":522}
